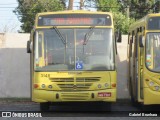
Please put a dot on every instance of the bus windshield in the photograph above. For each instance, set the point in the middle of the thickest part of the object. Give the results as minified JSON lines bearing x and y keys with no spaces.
{"x":52,"y":53}
{"x":153,"y":51}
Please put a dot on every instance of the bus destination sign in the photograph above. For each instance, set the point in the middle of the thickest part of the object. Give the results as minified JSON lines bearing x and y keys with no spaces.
{"x":74,"y":20}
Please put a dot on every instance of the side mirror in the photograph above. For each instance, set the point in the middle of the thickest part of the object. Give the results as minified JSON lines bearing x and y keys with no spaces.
{"x":29,"y":46}
{"x":118,"y":36}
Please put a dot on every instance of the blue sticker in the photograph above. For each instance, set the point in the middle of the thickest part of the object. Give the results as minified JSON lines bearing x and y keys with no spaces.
{"x":79,"y":65}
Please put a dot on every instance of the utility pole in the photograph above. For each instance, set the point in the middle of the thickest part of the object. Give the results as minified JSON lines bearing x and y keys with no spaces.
{"x":70,"y":6}
{"x":128,"y":12}
{"x":81,"y":4}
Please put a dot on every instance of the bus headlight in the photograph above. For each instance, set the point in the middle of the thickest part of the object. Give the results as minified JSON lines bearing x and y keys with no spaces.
{"x":43,"y":85}
{"x":151,"y":83}
{"x":50,"y":86}
{"x":106,"y":85}
{"x":156,"y":88}
{"x":99,"y":86}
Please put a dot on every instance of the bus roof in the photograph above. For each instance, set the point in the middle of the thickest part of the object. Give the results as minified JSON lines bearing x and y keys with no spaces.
{"x":75,"y":11}
{"x":142,"y":22}
{"x":86,"y":18}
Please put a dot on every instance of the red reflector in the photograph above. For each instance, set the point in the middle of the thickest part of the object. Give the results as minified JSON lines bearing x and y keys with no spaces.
{"x":104,"y":94}
{"x":35,"y":85}
{"x":114,"y":85}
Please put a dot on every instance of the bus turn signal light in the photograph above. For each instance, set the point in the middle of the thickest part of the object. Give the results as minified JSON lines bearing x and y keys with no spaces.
{"x":36,"y":86}
{"x":114,"y":85}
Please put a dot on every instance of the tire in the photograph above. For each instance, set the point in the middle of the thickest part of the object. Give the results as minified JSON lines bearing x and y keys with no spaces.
{"x":108,"y":106}
{"x":44,"y":106}
{"x":98,"y":106}
{"x":129,"y":86}
{"x":145,"y":107}
{"x":133,"y":101}
{"x":104,"y":106}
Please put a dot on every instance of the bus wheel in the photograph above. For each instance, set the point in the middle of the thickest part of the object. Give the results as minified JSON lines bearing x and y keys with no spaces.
{"x":133,"y":101}
{"x":44,"y":106}
{"x":106,"y":106}
{"x":129,"y":86}
{"x":100,"y":106}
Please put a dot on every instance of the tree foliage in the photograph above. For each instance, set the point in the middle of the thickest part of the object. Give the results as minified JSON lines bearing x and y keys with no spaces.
{"x":127,"y":11}
{"x":121,"y":22}
{"x":137,"y":8}
{"x":27,"y":10}
{"x":124,"y":11}
{"x":108,"y":5}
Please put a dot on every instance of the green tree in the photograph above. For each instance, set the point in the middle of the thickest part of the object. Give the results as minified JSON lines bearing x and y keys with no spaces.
{"x":121,"y":22}
{"x":137,"y":8}
{"x":27,"y":10}
{"x":108,"y":5}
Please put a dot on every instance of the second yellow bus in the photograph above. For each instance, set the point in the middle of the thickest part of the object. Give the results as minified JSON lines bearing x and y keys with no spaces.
{"x":144,"y":60}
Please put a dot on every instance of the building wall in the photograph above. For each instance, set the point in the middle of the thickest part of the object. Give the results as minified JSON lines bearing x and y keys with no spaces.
{"x":122,"y":68}
{"x":15,"y":67}
{"x":2,"y":39}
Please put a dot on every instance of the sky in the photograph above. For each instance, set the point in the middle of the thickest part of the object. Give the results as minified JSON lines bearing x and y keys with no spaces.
{"x":8,"y":20}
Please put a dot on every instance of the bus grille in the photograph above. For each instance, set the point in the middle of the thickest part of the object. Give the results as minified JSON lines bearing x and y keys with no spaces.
{"x":75,"y":96}
{"x":80,"y":83}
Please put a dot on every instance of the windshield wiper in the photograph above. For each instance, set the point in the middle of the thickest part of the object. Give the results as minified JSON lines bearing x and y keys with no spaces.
{"x":60,"y":34}
{"x":87,"y":35}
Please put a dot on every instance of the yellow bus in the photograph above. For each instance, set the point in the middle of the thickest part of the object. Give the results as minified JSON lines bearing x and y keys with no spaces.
{"x":73,"y":57}
{"x":144,"y":60}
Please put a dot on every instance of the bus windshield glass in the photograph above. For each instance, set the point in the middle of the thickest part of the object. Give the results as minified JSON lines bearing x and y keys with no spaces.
{"x":153,"y":51}
{"x":52,"y":53}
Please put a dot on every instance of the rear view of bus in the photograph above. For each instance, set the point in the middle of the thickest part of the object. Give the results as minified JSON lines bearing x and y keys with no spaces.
{"x":73,"y":58}
{"x":144,"y":60}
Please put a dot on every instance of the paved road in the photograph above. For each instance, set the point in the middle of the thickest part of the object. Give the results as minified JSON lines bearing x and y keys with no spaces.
{"x":119,"y":109}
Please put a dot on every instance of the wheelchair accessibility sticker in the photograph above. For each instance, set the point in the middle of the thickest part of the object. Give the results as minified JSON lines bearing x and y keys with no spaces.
{"x":79,"y":65}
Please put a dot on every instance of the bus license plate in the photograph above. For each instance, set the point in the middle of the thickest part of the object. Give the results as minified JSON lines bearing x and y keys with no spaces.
{"x":104,"y":94}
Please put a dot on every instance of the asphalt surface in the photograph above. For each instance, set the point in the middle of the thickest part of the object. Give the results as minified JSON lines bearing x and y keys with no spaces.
{"x":122,"y":108}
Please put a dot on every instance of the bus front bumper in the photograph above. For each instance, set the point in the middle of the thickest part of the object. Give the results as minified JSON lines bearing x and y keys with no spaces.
{"x":108,"y":95}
